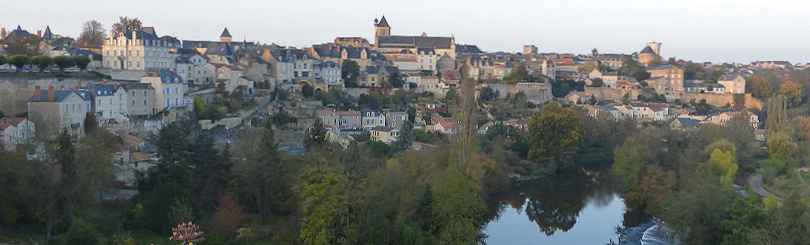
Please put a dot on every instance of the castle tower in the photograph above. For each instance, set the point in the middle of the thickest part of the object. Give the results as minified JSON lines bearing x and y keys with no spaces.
{"x":225,"y":37}
{"x":656,"y":47}
{"x":381,"y":29}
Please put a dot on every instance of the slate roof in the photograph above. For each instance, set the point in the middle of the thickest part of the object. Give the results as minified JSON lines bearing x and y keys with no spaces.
{"x":48,"y":35}
{"x":104,"y":89}
{"x":687,"y":122}
{"x":225,"y":33}
{"x":383,"y":22}
{"x":468,"y":49}
{"x":327,"y":50}
{"x":416,"y":41}
{"x":647,"y":50}
{"x":150,"y":30}
{"x":168,"y":76}
{"x":59,"y":96}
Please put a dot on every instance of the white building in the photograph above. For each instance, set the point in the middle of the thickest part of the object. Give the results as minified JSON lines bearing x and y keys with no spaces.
{"x":195,"y":69}
{"x":372,"y":119}
{"x":330,"y":73}
{"x":110,"y":102}
{"x":170,"y":90}
{"x":15,"y":131}
{"x":384,"y":134}
{"x":140,"y":50}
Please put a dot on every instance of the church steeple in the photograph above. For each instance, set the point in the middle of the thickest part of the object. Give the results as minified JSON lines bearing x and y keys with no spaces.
{"x":381,"y":29}
{"x":225,"y":37}
{"x":48,"y":35}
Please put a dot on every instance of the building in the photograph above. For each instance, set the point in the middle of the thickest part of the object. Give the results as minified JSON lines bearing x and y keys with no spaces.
{"x":55,"y":110}
{"x":723,"y":118}
{"x":141,"y":99}
{"x":139,"y":50}
{"x":385,"y":135}
{"x":110,"y":103}
{"x":341,"y":120}
{"x":194,"y":68}
{"x":667,"y":80}
{"x":734,"y":83}
{"x":392,"y":44}
{"x":395,"y":119}
{"x":443,"y":125}
{"x":697,"y":86}
{"x":372,"y":119}
{"x":530,"y":50}
{"x":356,"y":42}
{"x":15,"y":131}
{"x":648,"y":57}
{"x":170,"y":90}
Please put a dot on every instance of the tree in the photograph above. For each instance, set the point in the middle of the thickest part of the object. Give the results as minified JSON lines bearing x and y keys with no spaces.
{"x":777,"y":114}
{"x":64,"y":62}
{"x":518,"y":74}
{"x":316,"y":135}
{"x":321,"y":191}
{"x":793,"y":92}
{"x":759,"y":86}
{"x":631,"y":67}
{"x":264,"y":180}
{"x":3,"y":60}
{"x":229,"y":215}
{"x":803,"y":125}
{"x":350,"y":72}
{"x":82,"y":62}
{"x":307,"y":90}
{"x":554,"y":133}
{"x":782,"y":147}
{"x":488,"y":94}
{"x":42,"y":61}
{"x":20,"y":61}
{"x":126,"y":25}
{"x":630,"y":160}
{"x":92,"y":35}
{"x":722,"y":160}
{"x":697,"y":211}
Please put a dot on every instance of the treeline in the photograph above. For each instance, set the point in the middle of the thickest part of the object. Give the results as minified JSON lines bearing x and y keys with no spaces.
{"x":43,"y":62}
{"x":688,"y":179}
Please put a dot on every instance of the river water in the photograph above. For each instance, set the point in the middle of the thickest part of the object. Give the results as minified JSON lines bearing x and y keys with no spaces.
{"x":580,"y":209}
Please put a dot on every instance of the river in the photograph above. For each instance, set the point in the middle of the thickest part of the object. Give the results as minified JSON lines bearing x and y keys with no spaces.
{"x":581,"y":209}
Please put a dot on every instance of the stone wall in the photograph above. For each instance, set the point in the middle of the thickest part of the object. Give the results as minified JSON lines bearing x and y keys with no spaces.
{"x":721,"y":100}
{"x":15,"y":91}
{"x":614,"y":94}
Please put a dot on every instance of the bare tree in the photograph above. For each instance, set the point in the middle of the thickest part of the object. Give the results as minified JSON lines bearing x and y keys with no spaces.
{"x":92,"y":35}
{"x":125,"y":25}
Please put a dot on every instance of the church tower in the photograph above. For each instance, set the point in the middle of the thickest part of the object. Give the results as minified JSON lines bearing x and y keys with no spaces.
{"x":225,"y":37}
{"x":381,"y":29}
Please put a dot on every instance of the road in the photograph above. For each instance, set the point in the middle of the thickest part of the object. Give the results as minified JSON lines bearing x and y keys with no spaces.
{"x":756,"y":184}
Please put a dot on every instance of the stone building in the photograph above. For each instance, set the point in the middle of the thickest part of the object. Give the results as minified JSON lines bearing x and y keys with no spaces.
{"x":394,"y":44}
{"x":140,"y":50}
{"x":55,"y":110}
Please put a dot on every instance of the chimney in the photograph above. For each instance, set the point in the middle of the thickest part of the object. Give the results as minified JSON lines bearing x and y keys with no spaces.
{"x":37,"y":91}
{"x":51,"y":93}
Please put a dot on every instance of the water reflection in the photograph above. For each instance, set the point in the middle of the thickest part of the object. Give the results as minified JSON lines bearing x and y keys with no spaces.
{"x":554,"y":206}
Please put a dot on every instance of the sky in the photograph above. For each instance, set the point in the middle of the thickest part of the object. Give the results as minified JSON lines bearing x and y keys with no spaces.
{"x":699,"y":30}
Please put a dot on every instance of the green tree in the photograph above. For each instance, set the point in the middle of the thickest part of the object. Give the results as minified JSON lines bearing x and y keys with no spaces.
{"x":316,"y":135}
{"x":759,"y":86}
{"x":42,"y":61}
{"x":126,"y":25}
{"x":20,"y":61}
{"x":519,"y":73}
{"x":307,"y":90}
{"x":264,"y":179}
{"x":82,"y":62}
{"x":3,"y":60}
{"x":555,"y":132}
{"x":63,"y":62}
{"x":350,"y":72}
{"x":782,"y":147}
{"x":793,"y":92}
{"x":777,"y":114}
{"x":697,"y":211}
{"x":321,"y":191}
{"x":630,"y":159}
{"x":722,"y":159}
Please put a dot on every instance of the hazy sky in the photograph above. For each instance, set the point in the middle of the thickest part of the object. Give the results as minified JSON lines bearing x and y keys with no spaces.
{"x":702,"y":30}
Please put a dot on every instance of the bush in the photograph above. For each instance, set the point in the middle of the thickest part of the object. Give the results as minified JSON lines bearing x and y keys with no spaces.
{"x":81,"y":232}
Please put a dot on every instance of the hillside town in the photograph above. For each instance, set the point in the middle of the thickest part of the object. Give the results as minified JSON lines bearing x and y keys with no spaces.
{"x":384,"y":89}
